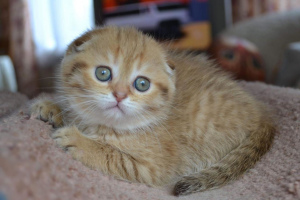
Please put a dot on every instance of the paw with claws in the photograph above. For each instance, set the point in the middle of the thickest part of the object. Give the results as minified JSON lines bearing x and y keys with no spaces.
{"x":47,"y":111}
{"x":73,"y":142}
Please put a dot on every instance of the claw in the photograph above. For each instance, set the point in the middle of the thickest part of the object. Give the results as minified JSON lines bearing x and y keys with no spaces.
{"x":46,"y":111}
{"x":43,"y":119}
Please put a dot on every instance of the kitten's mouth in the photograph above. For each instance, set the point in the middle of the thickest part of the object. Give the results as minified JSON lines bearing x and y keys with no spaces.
{"x":116,"y":108}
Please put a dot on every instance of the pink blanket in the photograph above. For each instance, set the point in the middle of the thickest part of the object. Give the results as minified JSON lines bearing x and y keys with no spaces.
{"x":31,"y":167}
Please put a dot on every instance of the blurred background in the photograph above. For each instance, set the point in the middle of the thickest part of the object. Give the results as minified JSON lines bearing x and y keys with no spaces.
{"x":255,"y":40}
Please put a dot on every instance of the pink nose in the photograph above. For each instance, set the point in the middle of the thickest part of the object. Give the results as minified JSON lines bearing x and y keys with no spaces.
{"x":120,"y":96}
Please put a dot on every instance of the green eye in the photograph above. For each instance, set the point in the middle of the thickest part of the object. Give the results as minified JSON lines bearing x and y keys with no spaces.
{"x":142,"y":84}
{"x":103,"y":73}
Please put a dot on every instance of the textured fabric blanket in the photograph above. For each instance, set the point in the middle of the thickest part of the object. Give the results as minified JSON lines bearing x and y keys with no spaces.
{"x":31,"y":167}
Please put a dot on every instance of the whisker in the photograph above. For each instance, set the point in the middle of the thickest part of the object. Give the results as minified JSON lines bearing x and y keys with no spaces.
{"x":88,"y":111}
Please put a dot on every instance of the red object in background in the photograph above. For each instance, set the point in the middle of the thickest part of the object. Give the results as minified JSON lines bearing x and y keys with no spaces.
{"x":114,"y":3}
{"x":240,"y":57}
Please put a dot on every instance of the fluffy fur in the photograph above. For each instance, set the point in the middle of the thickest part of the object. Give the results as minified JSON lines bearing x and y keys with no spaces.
{"x":194,"y":126}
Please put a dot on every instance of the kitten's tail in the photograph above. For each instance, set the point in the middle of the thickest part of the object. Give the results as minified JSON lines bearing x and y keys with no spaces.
{"x":233,"y":165}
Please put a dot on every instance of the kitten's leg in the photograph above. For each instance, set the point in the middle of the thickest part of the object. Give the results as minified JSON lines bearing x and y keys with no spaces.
{"x":98,"y":155}
{"x":47,"y":111}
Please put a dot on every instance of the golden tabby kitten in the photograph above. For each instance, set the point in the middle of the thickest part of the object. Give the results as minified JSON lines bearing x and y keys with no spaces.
{"x":135,"y":110}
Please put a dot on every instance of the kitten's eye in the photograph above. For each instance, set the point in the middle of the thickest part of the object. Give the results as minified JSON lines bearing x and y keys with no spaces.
{"x":103,"y":73}
{"x":142,"y":84}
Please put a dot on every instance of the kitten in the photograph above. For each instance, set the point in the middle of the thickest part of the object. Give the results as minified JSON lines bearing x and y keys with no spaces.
{"x":136,"y":110}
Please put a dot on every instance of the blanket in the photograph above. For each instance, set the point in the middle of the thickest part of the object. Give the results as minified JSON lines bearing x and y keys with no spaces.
{"x":32,"y":167}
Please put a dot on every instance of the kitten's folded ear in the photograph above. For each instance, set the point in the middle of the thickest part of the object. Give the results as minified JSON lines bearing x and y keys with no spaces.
{"x":170,"y":67}
{"x":76,"y":45}
{"x":171,"y":64}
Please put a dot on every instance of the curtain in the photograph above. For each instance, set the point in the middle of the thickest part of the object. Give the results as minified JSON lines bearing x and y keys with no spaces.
{"x":16,"y":41}
{"x":55,"y":23}
{"x":35,"y":34}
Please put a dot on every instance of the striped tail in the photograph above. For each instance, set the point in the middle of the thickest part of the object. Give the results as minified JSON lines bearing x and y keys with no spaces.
{"x":232,"y":166}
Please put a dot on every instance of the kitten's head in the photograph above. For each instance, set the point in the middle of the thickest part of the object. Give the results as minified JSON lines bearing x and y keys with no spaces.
{"x":117,"y":77}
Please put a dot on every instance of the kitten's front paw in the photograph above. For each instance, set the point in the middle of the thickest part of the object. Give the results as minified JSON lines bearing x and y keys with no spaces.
{"x":69,"y":139}
{"x":80,"y":147}
{"x":65,"y":137}
{"x":47,"y":112}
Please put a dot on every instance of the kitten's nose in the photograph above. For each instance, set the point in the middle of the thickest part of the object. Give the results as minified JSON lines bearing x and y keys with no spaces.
{"x":120,"y":96}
